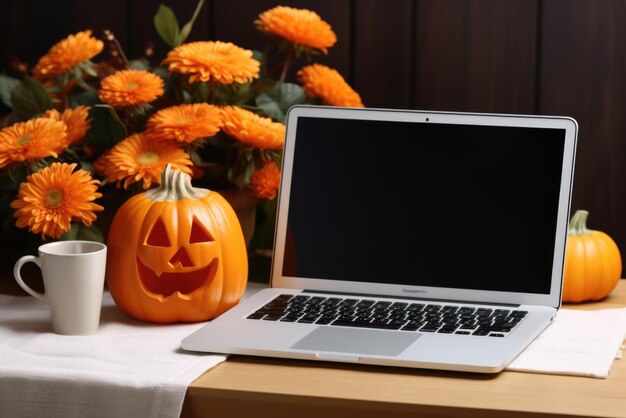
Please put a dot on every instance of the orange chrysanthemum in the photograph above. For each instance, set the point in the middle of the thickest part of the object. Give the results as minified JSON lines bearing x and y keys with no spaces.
{"x":67,"y":54}
{"x":77,"y":123}
{"x":51,"y":198}
{"x":137,"y":158}
{"x":299,"y":26}
{"x":327,"y":84}
{"x":185,"y":123}
{"x":130,"y":88}
{"x":265,"y":181}
{"x":222,"y":62}
{"x":31,"y":140}
{"x":253,"y":129}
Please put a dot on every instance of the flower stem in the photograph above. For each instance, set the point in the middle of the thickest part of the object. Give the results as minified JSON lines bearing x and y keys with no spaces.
{"x":211,"y":87}
{"x":177,"y":83}
{"x":121,"y":57}
{"x":283,"y":74}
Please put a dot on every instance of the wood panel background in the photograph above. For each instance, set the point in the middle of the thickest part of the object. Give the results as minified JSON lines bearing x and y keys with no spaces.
{"x":560,"y":57}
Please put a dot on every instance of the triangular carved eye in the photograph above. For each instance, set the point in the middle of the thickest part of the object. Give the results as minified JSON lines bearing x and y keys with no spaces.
{"x":158,"y":235}
{"x":199,"y":233}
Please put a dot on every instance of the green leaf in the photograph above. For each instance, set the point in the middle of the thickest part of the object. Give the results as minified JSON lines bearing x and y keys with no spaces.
{"x":163,"y":73}
{"x":288,"y":94}
{"x":141,"y":64}
{"x":10,"y":182}
{"x":258,"y":55}
{"x":30,"y":98}
{"x":235,"y":94}
{"x":78,"y":231}
{"x":86,"y":165}
{"x":106,"y":127}
{"x":243,"y":179}
{"x":167,"y":26}
{"x":88,"y":68}
{"x":72,"y":154}
{"x":270,"y":107}
{"x":184,"y":33}
{"x":165,"y":76}
{"x":276,"y":101}
{"x":201,"y":93}
{"x":85,"y":98}
{"x":7,"y":84}
{"x":271,"y":156}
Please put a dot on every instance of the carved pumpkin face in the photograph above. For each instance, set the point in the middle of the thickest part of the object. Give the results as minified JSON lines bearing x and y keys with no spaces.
{"x":181,"y":256}
{"x":180,"y":260}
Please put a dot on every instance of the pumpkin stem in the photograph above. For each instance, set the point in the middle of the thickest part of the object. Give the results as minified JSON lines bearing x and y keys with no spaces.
{"x":175,"y":186}
{"x":578,"y":224}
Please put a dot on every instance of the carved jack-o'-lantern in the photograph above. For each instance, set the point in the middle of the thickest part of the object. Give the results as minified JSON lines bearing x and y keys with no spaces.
{"x":176,"y":253}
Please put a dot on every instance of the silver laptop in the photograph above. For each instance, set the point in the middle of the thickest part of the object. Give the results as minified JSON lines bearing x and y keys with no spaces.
{"x":410,"y":238}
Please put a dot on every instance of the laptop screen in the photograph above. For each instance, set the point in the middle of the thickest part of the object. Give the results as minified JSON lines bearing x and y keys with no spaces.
{"x":424,"y":204}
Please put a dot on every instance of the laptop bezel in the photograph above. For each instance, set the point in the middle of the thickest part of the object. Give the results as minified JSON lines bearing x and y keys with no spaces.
{"x":552,"y":299}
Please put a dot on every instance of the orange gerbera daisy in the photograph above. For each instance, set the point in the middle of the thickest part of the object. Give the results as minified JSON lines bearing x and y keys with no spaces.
{"x":222,"y":62}
{"x":51,"y":198}
{"x":67,"y":54}
{"x":101,"y":165}
{"x":31,"y":140}
{"x":130,"y":87}
{"x":77,"y":123}
{"x":253,"y":129}
{"x":137,"y":158}
{"x":299,"y":26}
{"x":265,"y":181}
{"x":185,"y":123}
{"x":327,"y":84}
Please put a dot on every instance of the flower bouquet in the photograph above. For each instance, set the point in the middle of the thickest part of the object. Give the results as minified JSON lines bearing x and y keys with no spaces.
{"x":88,"y":128}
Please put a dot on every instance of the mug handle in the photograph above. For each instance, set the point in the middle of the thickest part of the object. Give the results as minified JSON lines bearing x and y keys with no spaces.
{"x":18,"y":277}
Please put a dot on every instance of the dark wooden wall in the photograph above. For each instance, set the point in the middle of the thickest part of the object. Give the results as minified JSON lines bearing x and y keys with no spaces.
{"x":560,"y":57}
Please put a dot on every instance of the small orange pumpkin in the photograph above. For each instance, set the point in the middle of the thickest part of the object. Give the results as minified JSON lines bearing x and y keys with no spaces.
{"x":593,"y":264}
{"x":176,"y":253}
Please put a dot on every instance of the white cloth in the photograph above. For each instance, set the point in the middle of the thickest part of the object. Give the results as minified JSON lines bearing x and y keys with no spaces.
{"x":583,"y":343}
{"x":135,"y":369}
{"x":127,"y":369}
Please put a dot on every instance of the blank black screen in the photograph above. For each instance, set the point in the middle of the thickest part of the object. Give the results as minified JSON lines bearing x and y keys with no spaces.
{"x":424,"y":204}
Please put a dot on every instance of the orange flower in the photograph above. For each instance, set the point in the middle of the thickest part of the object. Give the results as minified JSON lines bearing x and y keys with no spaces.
{"x":67,"y":54}
{"x":50,"y":198}
{"x":253,"y":129}
{"x":327,"y":84}
{"x":31,"y":140}
{"x":299,"y":26}
{"x":222,"y":62}
{"x":76,"y":122}
{"x":185,"y":123}
{"x":137,"y":158}
{"x":102,"y":164}
{"x":130,"y":87}
{"x":265,"y":181}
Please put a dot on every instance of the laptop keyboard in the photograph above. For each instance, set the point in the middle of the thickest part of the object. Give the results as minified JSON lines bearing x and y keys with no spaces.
{"x":404,"y":316}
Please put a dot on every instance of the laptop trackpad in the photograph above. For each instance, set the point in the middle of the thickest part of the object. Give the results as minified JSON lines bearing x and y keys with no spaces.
{"x":357,"y":341}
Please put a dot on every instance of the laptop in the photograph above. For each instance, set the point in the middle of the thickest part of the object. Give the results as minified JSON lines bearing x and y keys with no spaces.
{"x":410,"y":238}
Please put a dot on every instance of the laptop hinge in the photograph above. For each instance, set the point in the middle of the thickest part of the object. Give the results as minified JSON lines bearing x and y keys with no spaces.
{"x":467,"y":302}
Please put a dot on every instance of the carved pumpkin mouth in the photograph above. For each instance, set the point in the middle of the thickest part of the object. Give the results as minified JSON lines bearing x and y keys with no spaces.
{"x":169,"y":283}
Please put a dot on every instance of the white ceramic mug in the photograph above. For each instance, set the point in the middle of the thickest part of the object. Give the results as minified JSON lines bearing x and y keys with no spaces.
{"x":73,"y":278}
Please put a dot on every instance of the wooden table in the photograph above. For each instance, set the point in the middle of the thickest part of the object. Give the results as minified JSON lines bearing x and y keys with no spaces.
{"x":259,"y":387}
